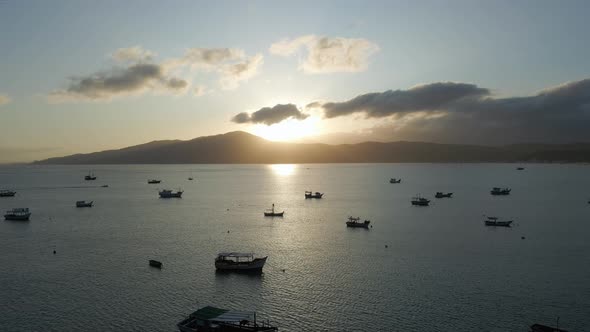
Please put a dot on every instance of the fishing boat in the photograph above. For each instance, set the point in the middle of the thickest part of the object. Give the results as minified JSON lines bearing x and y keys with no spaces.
{"x":520,"y":168}
{"x":500,"y":191}
{"x":309,"y":194}
{"x":190,"y":178}
{"x":81,"y":204}
{"x":356,"y":222}
{"x":237,"y":261}
{"x":212,"y":319}
{"x":272,"y":213}
{"x":7,"y":193}
{"x":90,"y":177}
{"x":420,"y":201}
{"x":443,"y":195}
{"x":154,"y":181}
{"x":18,"y":214}
{"x":545,"y":328}
{"x":165,"y":193}
{"x":155,"y":263}
{"x":493,"y":221}
{"x":104,"y":186}
{"x":394,"y":180}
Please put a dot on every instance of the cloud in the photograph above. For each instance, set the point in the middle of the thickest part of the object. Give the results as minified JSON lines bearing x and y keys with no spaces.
{"x":119,"y":81}
{"x":465,"y":113}
{"x":132,"y":54}
{"x":271,"y":115}
{"x":210,"y":57}
{"x":4,"y":99}
{"x":328,"y":54}
{"x":200,"y":90}
{"x":233,"y":74}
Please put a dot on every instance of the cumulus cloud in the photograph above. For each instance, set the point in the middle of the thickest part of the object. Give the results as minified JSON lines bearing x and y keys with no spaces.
{"x":271,"y":115}
{"x":328,"y":54}
{"x":210,"y":57}
{"x":466,"y":113}
{"x":119,"y":81}
{"x":4,"y":99}
{"x":234,"y":73}
{"x":133,"y":54}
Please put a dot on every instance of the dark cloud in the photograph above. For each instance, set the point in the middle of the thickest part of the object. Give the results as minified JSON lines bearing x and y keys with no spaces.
{"x":119,"y":81}
{"x":271,"y":115}
{"x":469,"y":114}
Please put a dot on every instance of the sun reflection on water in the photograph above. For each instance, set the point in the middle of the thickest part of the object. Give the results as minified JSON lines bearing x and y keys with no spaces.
{"x":283,"y":169}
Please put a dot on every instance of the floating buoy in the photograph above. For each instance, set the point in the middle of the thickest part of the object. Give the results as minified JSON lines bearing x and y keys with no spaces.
{"x":227,"y":231}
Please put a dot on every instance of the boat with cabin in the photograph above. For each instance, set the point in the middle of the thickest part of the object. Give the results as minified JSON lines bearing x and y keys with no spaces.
{"x":420,"y":201}
{"x":494,"y":221}
{"x":443,"y":195}
{"x":317,"y":194}
{"x":272,"y":213}
{"x":356,"y":222}
{"x":394,"y":180}
{"x":82,"y":204}
{"x":238,"y":261}
{"x":500,"y":191}
{"x":90,"y":177}
{"x":154,"y":181}
{"x":21,"y":214}
{"x":7,"y":193}
{"x":212,"y":319}
{"x":166,"y":193}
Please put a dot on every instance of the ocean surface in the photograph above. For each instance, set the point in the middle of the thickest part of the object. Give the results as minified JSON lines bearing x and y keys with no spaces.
{"x":435,"y":268}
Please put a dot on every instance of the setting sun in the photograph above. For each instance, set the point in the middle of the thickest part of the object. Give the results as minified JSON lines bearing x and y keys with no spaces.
{"x":288,"y":130}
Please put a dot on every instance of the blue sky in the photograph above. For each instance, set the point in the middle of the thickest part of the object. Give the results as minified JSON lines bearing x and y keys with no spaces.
{"x":512,"y":48}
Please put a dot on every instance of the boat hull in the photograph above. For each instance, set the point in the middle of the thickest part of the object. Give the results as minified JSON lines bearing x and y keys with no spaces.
{"x":171,"y":195}
{"x":10,"y":194}
{"x":420,"y":203}
{"x":17,"y":218}
{"x":155,"y":263}
{"x":357,"y":225}
{"x":499,"y":223}
{"x":83,"y":205}
{"x":274,"y":214}
{"x":255,"y":265}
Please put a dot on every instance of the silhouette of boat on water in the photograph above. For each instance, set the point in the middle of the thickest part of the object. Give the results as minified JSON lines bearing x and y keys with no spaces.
{"x":497,"y":191}
{"x":155,"y":263}
{"x":420,"y":201}
{"x":81,"y":204}
{"x":154,"y":181}
{"x":19,"y":214}
{"x":212,"y":319}
{"x":317,"y":194}
{"x":166,"y":193}
{"x":7,"y":193}
{"x":494,"y":221}
{"x":356,"y":222}
{"x":545,"y":328}
{"x":238,"y":261}
{"x":443,"y":195}
{"x":520,"y":168}
{"x":90,"y":177}
{"x":394,"y":180}
{"x":272,"y":213}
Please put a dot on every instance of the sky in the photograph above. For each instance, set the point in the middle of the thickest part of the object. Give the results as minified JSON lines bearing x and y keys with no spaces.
{"x":80,"y":76}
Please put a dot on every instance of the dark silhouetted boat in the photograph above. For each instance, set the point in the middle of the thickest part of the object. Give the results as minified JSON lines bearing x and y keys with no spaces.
{"x":443,"y":195}
{"x":237,"y":261}
{"x":356,"y":222}
{"x":309,"y":194}
{"x":20,"y":214}
{"x":155,"y":263}
{"x":496,"y":191}
{"x":152,"y":181}
{"x":81,"y":204}
{"x":104,"y":186}
{"x":211,"y":319}
{"x":394,"y":180}
{"x":420,"y":201}
{"x":520,"y":168}
{"x":272,"y":213}
{"x":165,"y":193}
{"x":493,"y":221}
{"x":90,"y":177}
{"x":7,"y":193}
{"x":545,"y":328}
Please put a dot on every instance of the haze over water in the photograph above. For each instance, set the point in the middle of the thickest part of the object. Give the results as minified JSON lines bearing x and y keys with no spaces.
{"x":442,"y":269}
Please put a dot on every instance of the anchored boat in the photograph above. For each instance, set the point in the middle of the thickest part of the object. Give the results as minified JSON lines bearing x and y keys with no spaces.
{"x":272,"y":213}
{"x":90,"y":177}
{"x":154,"y":181}
{"x":155,"y":263}
{"x":81,"y":204}
{"x":7,"y":193}
{"x":500,"y":191}
{"x":356,"y":222}
{"x":237,"y":261}
{"x":309,"y":194}
{"x":420,"y":201}
{"x":165,"y":193}
{"x":211,"y":319}
{"x":493,"y":221}
{"x":22,"y":214}
{"x":443,"y":195}
{"x":394,"y":180}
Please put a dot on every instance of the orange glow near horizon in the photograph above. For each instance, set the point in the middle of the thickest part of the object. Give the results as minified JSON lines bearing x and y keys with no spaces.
{"x":289,"y":130}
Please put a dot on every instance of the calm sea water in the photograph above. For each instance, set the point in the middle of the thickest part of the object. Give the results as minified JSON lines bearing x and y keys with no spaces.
{"x":442,"y":270}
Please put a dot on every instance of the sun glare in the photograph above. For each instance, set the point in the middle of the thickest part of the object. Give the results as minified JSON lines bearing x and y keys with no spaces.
{"x":283,"y":169}
{"x":289,"y":130}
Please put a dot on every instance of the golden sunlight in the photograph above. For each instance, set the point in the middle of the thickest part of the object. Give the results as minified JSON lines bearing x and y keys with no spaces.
{"x":283,"y":169}
{"x":287,"y":130}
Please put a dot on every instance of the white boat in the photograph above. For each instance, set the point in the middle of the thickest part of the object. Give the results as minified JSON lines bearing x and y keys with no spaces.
{"x":18,"y":214}
{"x":84,"y":204}
{"x":165,"y":193}
{"x":238,"y":261}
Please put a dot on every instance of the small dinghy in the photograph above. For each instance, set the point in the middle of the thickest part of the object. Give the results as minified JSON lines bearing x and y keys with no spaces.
{"x":272,"y":213}
{"x":154,"y":181}
{"x":155,"y":263}
{"x":82,"y":204}
{"x":394,"y":180}
{"x":496,"y":191}
{"x":443,"y":195}
{"x":494,"y":221}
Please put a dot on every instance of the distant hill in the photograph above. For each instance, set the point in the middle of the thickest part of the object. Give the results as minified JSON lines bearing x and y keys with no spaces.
{"x":243,"y":148}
